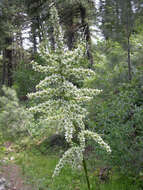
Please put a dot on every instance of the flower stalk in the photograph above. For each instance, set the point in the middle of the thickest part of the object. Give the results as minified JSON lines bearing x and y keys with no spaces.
{"x":86,"y":173}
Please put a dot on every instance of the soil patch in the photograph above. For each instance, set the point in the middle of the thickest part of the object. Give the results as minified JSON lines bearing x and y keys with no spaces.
{"x":12,"y":174}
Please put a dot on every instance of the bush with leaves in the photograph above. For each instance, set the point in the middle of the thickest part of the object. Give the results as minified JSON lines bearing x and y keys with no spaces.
{"x":25,"y":79}
{"x":14,"y":119}
{"x":110,"y":65}
{"x":120,"y":118}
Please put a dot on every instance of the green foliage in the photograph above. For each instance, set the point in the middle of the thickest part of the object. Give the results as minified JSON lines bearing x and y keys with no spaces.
{"x":137,"y":57}
{"x":25,"y":79}
{"x":118,"y":18}
{"x":59,"y":93}
{"x":110,"y":66}
{"x":14,"y":119}
{"x":119,"y":118}
{"x":38,"y":170}
{"x":1,"y":66}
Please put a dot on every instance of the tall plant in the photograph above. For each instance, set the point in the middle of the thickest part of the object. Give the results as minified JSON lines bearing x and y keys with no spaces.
{"x":60,"y":101}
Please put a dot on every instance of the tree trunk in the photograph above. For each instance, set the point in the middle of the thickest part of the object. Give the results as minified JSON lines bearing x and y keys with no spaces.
{"x":88,"y":45}
{"x":8,"y":60}
{"x":52,"y":39}
{"x":87,"y":34}
{"x":128,"y":34}
{"x":129,"y":58}
{"x":39,"y":28}
{"x":70,"y":32}
{"x":4,"y":69}
{"x":34,"y":41}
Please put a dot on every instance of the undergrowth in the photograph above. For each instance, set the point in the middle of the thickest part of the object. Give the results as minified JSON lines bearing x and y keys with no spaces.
{"x":38,"y":169}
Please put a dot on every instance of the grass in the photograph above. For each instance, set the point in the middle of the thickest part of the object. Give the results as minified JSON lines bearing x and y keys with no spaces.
{"x":38,"y":169}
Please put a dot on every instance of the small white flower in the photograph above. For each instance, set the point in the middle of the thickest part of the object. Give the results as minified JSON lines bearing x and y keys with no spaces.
{"x":60,"y":100}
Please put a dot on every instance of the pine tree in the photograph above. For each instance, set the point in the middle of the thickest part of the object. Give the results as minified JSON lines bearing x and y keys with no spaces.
{"x":11,"y":25}
{"x":77,"y":17}
{"x":119,"y":20}
{"x":61,"y":101}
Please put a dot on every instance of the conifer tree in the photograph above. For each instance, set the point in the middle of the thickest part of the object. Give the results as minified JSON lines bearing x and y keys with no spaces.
{"x":11,"y":25}
{"x":60,"y":100}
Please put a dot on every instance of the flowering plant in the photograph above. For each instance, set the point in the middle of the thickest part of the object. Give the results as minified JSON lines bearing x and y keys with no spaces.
{"x":61,"y":101}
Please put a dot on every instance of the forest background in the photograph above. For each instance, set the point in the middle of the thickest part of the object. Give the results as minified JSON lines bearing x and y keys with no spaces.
{"x":112,"y":35}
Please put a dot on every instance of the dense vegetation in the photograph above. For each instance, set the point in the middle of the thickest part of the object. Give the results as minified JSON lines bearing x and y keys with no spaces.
{"x":71,"y":103}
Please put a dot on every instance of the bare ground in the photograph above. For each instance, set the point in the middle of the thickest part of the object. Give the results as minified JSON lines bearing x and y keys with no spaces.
{"x":12,"y":174}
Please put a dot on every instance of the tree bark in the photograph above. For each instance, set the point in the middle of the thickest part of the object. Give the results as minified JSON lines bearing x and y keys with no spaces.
{"x":3,"y":69}
{"x":88,"y":45}
{"x":34,"y":41}
{"x":39,"y":28}
{"x":8,"y":60}
{"x":52,"y":39}
{"x":70,"y":32}
{"x":87,"y":34}
{"x":129,"y":58}
{"x":128,"y":33}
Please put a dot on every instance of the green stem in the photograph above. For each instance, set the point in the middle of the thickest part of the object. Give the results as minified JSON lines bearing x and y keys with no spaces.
{"x":86,"y":174}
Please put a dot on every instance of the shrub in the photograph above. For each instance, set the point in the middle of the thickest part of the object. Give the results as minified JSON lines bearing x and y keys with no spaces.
{"x":119,"y":118}
{"x":14,"y":119}
{"x":25,"y":79}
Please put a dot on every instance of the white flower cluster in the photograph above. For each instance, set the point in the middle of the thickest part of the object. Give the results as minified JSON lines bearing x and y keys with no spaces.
{"x":92,"y":135}
{"x":60,"y":100}
{"x":73,"y":156}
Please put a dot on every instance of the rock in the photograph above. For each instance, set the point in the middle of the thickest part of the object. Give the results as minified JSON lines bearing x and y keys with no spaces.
{"x":4,"y":185}
{"x":2,"y":181}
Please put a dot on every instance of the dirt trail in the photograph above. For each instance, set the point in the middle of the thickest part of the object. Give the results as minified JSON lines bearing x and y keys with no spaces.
{"x":12,"y":174}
